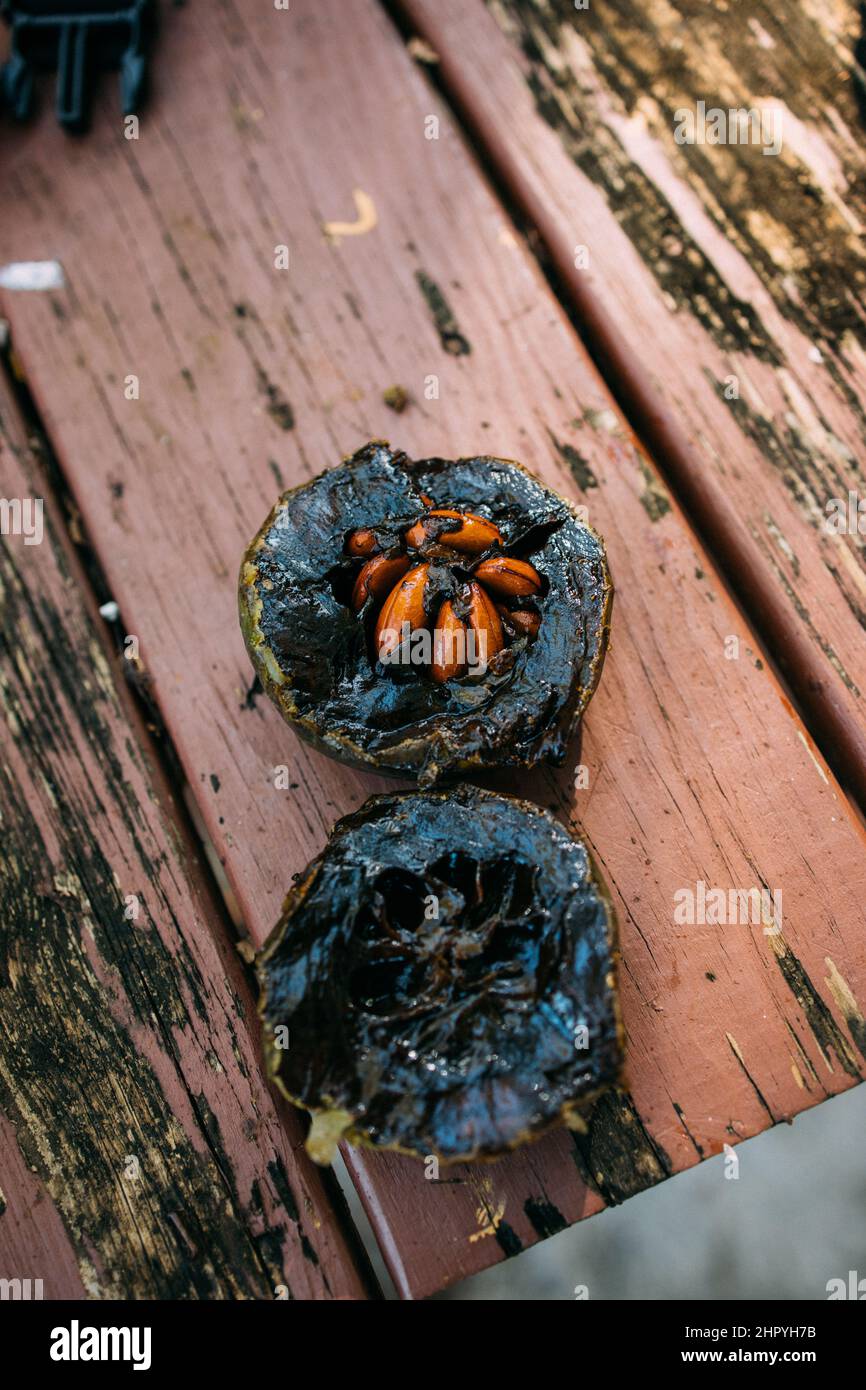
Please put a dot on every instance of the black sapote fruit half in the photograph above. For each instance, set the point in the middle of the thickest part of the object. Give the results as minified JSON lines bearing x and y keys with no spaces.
{"x":442,"y":979}
{"x":426,"y":617}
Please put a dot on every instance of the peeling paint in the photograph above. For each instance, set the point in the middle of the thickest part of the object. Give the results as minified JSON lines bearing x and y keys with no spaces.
{"x":847,"y":1005}
{"x":450,"y":337}
{"x":824,"y":1028}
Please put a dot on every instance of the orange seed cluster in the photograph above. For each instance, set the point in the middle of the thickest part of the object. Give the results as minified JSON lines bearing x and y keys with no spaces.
{"x":398,"y":588}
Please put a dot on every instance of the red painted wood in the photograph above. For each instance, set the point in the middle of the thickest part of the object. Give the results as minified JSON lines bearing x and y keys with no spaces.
{"x":34,"y":1244}
{"x":141,"y":1152}
{"x":576,"y":109}
{"x":263,"y":125}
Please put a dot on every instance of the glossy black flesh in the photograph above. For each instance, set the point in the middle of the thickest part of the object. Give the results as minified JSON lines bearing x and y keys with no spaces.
{"x":453,"y":1034}
{"x":526,"y":704}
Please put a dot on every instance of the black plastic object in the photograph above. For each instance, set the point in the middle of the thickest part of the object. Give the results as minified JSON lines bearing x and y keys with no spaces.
{"x":77,"y":41}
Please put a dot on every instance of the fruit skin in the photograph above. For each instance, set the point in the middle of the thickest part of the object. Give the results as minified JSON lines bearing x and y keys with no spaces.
{"x":524,"y":948}
{"x":404,"y":604}
{"x":474,"y":535}
{"x":449,"y":645}
{"x":507,"y":577}
{"x":313,"y":656}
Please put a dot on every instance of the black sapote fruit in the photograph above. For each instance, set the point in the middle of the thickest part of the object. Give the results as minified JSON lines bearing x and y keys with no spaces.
{"x":442,"y":978}
{"x":426,"y":617}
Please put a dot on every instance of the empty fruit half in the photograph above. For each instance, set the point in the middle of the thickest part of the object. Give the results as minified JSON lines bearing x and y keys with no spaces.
{"x":442,"y":979}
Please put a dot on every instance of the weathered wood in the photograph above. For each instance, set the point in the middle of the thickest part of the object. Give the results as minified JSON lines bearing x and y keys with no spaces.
{"x":141,"y":1152}
{"x":33,"y":1241}
{"x":263,"y":126}
{"x":713,"y":270}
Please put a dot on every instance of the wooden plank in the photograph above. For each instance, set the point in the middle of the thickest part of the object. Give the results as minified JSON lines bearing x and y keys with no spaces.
{"x":141,"y":1152}
{"x":263,"y":125}
{"x":33,"y":1240}
{"x":713,"y":270}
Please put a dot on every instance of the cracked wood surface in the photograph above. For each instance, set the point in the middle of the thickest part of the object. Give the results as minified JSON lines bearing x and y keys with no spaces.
{"x":141,"y":1152}
{"x":707,"y":263}
{"x":264,"y":128}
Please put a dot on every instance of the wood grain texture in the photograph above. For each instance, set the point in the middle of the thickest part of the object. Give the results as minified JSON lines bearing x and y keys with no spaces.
{"x":142,"y":1153}
{"x":263,"y":126}
{"x":709,"y":263}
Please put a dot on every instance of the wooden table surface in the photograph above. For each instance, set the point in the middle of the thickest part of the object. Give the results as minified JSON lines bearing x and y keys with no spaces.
{"x":178,"y":380}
